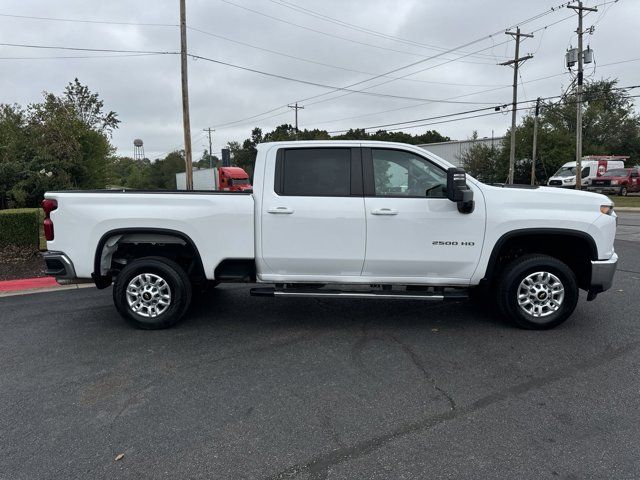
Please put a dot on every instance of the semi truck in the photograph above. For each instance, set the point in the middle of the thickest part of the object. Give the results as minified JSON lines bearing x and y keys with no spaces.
{"x":227,"y":179}
{"x":339,"y":219}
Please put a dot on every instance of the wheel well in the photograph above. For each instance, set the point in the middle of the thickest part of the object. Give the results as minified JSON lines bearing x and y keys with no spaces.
{"x":118,"y":248}
{"x":576,"y":249}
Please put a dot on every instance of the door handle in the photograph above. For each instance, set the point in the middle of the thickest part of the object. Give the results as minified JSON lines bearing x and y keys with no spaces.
{"x":384,"y":211}
{"x":280,"y":210}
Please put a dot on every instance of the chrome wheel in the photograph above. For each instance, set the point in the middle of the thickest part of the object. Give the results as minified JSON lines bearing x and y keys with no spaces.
{"x":540,"y":294}
{"x":148,"y":295}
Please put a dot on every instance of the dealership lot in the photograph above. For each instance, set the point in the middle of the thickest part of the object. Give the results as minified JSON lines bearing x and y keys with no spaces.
{"x":262,"y":388}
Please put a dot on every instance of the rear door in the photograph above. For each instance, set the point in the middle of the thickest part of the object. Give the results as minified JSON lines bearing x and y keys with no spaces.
{"x":313,"y":221}
{"x":413,"y":230}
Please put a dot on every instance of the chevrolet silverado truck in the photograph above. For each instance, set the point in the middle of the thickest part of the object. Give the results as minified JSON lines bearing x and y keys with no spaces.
{"x":350,"y":219}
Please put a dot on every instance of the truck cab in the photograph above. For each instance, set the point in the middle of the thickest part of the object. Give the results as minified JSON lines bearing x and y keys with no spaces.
{"x":233,"y":179}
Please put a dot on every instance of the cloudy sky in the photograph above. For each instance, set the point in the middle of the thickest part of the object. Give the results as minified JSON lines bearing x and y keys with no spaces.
{"x":330,"y":43}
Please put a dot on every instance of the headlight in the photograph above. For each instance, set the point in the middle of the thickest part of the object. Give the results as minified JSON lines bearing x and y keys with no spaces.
{"x":606,"y":209}
{"x":614,"y":182}
{"x":569,"y":180}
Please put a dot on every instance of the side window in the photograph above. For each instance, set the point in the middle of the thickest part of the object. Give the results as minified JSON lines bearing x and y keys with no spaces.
{"x":314,"y":172}
{"x":403,"y":174}
{"x":585,"y":172}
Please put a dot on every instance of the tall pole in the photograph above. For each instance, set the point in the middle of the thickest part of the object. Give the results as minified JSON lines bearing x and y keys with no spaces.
{"x":516,"y":63}
{"x":209,"y":130}
{"x":579,"y":9}
{"x":186,"y":123}
{"x":535,"y":143}
{"x":296,"y":108}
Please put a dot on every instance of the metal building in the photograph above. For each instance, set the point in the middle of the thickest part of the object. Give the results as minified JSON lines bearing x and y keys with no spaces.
{"x":452,"y":150}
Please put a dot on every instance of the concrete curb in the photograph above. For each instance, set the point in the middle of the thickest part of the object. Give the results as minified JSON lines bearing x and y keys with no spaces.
{"x":627,"y":209}
{"x":58,"y":288}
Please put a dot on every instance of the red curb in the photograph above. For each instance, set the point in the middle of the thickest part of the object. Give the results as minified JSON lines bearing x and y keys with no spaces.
{"x":27,"y":284}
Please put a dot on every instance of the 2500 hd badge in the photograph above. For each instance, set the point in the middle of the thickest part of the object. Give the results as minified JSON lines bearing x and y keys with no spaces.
{"x":453,"y":243}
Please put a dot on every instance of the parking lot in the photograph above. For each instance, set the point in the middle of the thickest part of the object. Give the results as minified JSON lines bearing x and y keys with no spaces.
{"x":261,"y":388}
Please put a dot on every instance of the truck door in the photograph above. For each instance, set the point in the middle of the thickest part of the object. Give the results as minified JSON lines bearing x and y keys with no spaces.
{"x":312,"y":214}
{"x":413,"y":230}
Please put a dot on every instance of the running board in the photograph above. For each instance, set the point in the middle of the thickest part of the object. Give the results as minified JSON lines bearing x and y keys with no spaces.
{"x":384,"y":294}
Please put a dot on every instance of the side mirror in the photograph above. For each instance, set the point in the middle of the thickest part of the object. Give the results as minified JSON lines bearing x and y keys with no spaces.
{"x":458,"y":191}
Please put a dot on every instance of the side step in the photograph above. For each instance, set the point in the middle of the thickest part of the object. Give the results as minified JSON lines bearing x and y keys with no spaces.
{"x":456,"y":294}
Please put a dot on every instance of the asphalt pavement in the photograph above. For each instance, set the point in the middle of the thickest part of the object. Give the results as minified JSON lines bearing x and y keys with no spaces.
{"x":321,"y":389}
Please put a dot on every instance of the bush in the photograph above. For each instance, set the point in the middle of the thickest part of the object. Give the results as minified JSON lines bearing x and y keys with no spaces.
{"x":19,"y":227}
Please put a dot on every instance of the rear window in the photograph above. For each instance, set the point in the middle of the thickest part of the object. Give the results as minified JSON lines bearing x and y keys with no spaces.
{"x":315,"y":172}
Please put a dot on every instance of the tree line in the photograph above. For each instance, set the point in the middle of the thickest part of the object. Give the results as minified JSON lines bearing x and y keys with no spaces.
{"x":64,"y":142}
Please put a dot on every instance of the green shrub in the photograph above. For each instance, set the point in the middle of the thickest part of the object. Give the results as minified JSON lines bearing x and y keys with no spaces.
{"x":19,"y":227}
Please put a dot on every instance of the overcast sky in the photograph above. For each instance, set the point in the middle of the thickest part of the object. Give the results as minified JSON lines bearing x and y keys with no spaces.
{"x":145,"y":90}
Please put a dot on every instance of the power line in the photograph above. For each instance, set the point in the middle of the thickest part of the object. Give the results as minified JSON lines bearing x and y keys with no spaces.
{"x":62,"y":57}
{"x":358,"y":28}
{"x":346,"y":39}
{"x":322,"y":85}
{"x":82,"y":49}
{"x":77,"y":20}
{"x":307,"y":60}
{"x":400,"y":68}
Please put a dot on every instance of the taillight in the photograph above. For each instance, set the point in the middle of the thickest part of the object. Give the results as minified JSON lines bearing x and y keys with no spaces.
{"x":48,"y":206}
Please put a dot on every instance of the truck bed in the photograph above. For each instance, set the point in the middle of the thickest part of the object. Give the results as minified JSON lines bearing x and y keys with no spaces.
{"x":208,"y":219}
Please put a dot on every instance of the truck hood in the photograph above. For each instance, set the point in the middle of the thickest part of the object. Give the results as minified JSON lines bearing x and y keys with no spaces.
{"x":556,"y":197}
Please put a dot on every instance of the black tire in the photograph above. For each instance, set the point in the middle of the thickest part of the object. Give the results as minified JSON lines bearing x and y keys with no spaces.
{"x":168,"y":313}
{"x":623,"y":191}
{"x":538,"y":294}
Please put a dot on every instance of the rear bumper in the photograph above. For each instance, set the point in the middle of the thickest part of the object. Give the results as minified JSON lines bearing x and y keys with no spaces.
{"x":59,"y":265}
{"x":602,"y":272}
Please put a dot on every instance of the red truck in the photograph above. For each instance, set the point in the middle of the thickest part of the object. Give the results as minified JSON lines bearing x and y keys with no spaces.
{"x":618,"y":181}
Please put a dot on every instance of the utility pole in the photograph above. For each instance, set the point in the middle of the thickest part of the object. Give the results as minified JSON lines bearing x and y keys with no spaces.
{"x":535,"y":143}
{"x":516,"y":63}
{"x":209,"y":130}
{"x":186,"y":123}
{"x":579,"y":9}
{"x":296,"y":108}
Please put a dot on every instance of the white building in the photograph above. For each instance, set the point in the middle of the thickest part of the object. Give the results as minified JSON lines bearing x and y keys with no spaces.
{"x":451,"y":151}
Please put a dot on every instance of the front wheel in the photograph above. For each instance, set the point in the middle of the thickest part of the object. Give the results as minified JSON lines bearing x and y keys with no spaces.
{"x":623,"y":191}
{"x":537,"y":292}
{"x":152,"y":293}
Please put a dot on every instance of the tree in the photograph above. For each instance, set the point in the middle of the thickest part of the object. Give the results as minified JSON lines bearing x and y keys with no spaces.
{"x":483,"y":162}
{"x":67,"y":135}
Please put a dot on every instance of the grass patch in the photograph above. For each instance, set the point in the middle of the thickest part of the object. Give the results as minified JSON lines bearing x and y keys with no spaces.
{"x":628,"y":201}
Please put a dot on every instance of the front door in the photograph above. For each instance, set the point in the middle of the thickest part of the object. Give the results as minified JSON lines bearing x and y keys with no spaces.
{"x":413,"y":230}
{"x":313,"y":222}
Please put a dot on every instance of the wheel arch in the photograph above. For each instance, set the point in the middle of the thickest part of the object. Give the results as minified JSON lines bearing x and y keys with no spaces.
{"x":565,"y":244}
{"x":103,"y":279}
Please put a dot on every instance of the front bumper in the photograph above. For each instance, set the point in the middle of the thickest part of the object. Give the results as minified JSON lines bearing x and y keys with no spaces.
{"x":605,"y":189}
{"x":602,"y":272}
{"x":59,"y":265}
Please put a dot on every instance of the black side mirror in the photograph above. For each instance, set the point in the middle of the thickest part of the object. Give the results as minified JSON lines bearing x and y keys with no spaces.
{"x":458,"y":191}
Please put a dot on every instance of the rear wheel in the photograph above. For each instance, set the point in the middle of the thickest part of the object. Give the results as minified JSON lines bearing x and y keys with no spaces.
{"x":537,"y":292}
{"x":152,"y":293}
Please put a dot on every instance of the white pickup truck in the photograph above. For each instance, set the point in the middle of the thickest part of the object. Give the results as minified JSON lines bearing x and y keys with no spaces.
{"x":348,"y":219}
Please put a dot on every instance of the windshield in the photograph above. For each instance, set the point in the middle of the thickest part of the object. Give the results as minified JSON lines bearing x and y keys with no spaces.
{"x":616,"y":172}
{"x":565,"y":172}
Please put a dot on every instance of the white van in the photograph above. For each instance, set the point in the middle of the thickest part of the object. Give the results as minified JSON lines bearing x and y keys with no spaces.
{"x":593,"y":166}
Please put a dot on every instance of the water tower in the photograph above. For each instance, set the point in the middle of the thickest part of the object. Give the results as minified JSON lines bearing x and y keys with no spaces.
{"x":138,"y":149}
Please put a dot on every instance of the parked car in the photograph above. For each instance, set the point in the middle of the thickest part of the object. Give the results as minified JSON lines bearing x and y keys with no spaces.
{"x":374,"y":220}
{"x":618,"y":181}
{"x":592,"y":167}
